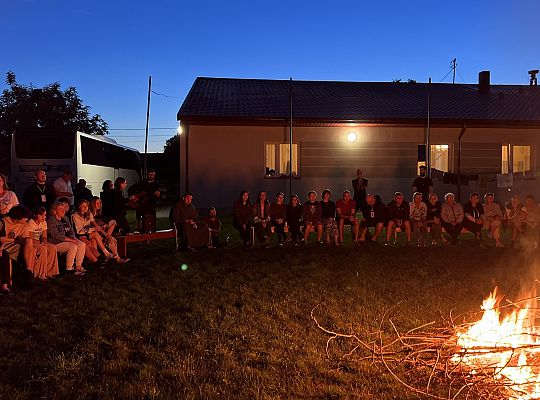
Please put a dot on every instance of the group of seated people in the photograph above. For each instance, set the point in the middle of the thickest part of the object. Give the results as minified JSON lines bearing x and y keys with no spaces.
{"x":416,"y":219}
{"x":36,"y":238}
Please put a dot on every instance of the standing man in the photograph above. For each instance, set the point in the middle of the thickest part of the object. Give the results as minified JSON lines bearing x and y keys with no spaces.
{"x":62,"y":187}
{"x":40,"y":193}
{"x":360,"y":190}
{"x":423,"y":184}
{"x":144,"y":196}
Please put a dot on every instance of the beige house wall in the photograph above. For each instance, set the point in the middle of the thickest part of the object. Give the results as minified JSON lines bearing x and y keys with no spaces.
{"x":223,"y":160}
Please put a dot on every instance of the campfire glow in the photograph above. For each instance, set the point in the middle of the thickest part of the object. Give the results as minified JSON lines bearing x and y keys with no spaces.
{"x":505,"y":349}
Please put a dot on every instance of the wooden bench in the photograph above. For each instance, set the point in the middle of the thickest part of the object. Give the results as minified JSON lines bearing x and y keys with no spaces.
{"x":143,"y":237}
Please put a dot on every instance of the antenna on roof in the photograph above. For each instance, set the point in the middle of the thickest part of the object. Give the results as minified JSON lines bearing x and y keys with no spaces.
{"x":454,"y":67}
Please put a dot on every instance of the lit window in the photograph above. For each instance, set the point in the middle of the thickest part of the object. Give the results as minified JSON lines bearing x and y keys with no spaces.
{"x":270,"y":159}
{"x":504,"y":159}
{"x":521,"y":158}
{"x":439,"y":156}
{"x":277,"y":159}
{"x":284,"y":159}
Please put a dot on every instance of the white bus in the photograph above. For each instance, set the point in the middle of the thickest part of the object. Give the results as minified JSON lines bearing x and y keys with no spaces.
{"x":94,"y":158}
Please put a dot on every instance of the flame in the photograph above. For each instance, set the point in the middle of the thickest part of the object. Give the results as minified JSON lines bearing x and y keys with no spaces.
{"x":506,"y":349}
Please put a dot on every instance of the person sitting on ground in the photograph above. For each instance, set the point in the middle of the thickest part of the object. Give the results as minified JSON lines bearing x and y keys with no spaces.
{"x":106,"y":196}
{"x":398,"y":217}
{"x":193,"y":233}
{"x":418,"y":218}
{"x":61,"y":234}
{"x":293,"y":214}
{"x":261,"y":219}
{"x":94,"y":236}
{"x":242,"y":214}
{"x":374,"y":217}
{"x":531,"y":225}
{"x":81,"y":192}
{"x":214,"y":224}
{"x":67,"y":205}
{"x":96,"y":208}
{"x":328,"y":218}
{"x":474,"y":217}
{"x":433,"y":219}
{"x":45,"y":259}
{"x":311,"y":215}
{"x":493,"y":218}
{"x":452,"y":217}
{"x":346,"y":215}
{"x":62,"y":187}
{"x":13,"y":239}
{"x":278,"y":218}
{"x":40,"y":193}
{"x":8,"y":199}
{"x":515,"y":217}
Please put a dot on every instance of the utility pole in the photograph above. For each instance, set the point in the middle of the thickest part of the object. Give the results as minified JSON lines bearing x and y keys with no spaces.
{"x":454,"y":66}
{"x":147,"y":122}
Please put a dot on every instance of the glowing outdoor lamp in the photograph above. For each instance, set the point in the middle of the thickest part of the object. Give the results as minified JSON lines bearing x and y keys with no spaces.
{"x":352,"y":137}
{"x":179,"y":130}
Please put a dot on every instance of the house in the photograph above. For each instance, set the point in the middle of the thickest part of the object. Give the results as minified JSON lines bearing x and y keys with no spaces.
{"x":237,"y":135}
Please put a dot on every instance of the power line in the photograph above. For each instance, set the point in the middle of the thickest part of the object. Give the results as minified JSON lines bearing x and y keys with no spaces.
{"x":166,"y":95}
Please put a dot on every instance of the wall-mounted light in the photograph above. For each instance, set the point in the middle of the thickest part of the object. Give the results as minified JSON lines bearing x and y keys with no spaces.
{"x":352,"y":137}
{"x":179,"y":130}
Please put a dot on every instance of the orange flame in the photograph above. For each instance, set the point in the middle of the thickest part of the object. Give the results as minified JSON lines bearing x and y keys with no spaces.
{"x":505,"y":349}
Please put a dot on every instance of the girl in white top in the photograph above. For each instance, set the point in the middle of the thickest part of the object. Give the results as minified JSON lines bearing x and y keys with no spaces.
{"x":90,"y":232}
{"x":417,"y":216}
{"x":8,"y":199}
{"x":45,"y":261}
{"x":493,"y":217}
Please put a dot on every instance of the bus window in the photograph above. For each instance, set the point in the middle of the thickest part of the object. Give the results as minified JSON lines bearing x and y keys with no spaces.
{"x":44,"y":146}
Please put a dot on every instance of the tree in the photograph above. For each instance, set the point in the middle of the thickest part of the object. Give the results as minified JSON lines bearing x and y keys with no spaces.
{"x":171,"y":154}
{"x":27,"y":107}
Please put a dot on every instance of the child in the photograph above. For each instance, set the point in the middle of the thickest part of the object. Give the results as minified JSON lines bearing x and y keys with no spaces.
{"x":44,"y":257}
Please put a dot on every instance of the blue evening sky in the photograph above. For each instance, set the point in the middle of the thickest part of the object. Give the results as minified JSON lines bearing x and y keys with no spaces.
{"x":107,"y":49}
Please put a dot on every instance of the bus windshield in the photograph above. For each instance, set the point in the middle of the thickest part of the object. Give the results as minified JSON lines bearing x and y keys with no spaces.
{"x":44,"y":145}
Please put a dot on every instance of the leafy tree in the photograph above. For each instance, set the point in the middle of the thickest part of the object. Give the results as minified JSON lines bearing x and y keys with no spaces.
{"x":27,"y":107}
{"x":171,"y":154}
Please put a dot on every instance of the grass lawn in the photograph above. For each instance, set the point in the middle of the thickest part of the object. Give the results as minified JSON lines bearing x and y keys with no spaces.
{"x":236,"y":324}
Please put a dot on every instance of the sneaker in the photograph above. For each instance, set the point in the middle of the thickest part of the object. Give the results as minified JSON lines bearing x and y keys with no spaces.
{"x":80,"y":271}
{"x":387,"y":243}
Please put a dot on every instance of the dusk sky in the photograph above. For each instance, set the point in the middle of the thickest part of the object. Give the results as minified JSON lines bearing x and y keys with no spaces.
{"x":107,"y":49}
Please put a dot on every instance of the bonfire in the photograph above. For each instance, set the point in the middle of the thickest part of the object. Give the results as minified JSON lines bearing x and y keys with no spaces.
{"x":496,"y":357}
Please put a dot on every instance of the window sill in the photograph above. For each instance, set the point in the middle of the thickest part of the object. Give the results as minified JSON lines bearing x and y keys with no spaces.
{"x":281,"y":177}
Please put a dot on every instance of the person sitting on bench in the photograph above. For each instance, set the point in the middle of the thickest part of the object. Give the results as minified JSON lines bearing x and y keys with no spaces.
{"x":452,"y":217}
{"x":193,"y":233}
{"x":375,"y":217}
{"x":474,"y":217}
{"x":398,"y":217}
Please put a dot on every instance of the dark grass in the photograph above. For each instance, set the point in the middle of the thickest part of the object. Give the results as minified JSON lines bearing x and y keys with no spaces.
{"x":236,"y":324}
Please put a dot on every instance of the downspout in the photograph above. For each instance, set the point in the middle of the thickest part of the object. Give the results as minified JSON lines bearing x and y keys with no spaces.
{"x":187,"y":159}
{"x":463,"y":129}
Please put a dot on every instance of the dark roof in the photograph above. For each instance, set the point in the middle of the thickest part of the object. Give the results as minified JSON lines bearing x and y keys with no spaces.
{"x":223,"y":99}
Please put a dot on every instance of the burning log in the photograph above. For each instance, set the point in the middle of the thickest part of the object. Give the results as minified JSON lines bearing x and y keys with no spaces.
{"x":493,"y":358}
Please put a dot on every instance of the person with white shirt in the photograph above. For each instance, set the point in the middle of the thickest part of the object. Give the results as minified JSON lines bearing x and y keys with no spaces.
{"x":8,"y":199}
{"x":62,"y":187}
{"x":45,"y":260}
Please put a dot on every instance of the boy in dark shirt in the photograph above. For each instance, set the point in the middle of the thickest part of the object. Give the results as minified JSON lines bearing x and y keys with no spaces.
{"x":374,"y":217}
